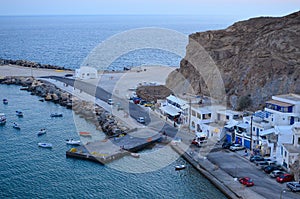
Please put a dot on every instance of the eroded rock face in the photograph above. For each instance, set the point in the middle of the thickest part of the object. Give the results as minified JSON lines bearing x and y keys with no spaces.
{"x":259,"y":58}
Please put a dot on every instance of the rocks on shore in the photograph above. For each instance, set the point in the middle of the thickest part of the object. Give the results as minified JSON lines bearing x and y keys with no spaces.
{"x":30,"y":64}
{"x":103,"y":120}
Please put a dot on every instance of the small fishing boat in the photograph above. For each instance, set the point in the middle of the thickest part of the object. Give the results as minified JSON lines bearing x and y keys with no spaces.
{"x":2,"y":119}
{"x":135,"y":155}
{"x":56,"y":115}
{"x":85,"y":134}
{"x":180,"y":167}
{"x":19,"y":113}
{"x":41,"y":132}
{"x":5,"y":101}
{"x":45,"y":145}
{"x":16,"y":126}
{"x":73,"y":142}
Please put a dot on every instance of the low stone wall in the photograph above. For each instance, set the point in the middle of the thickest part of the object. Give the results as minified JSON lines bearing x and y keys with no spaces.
{"x":103,"y":120}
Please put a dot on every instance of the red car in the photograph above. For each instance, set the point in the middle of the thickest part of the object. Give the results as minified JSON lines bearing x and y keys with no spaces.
{"x":285,"y":178}
{"x":246,"y":181}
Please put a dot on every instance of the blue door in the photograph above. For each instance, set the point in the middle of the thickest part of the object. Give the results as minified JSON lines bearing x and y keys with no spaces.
{"x":292,"y":120}
{"x":247,"y":143}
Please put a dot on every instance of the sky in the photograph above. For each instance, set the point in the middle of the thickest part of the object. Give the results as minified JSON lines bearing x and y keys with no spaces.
{"x":243,"y":8}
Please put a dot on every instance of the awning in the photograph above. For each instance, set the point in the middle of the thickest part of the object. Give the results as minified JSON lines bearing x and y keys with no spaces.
{"x":170,"y":110}
{"x":267,"y":132}
{"x":231,"y":124}
{"x":243,"y":125}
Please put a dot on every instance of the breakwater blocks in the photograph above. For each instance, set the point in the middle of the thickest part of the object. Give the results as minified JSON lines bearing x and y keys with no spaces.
{"x":108,"y":150}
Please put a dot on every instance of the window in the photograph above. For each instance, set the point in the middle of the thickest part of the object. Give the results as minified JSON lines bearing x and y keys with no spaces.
{"x":281,"y":150}
{"x":193,"y":124}
{"x":198,"y":115}
{"x":298,"y":140}
{"x":285,"y":154}
{"x":198,"y":128}
{"x":227,"y":117}
{"x":253,"y":129}
{"x":193,"y":113}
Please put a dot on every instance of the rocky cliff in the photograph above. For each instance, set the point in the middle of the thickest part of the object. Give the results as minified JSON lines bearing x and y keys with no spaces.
{"x":256,"y":58}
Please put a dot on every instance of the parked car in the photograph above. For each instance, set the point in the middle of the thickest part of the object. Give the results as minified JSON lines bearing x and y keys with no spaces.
{"x":148,"y":105}
{"x":262,"y":164}
{"x":264,"y":160}
{"x":110,"y":101}
{"x":293,"y":186}
{"x":270,"y":168}
{"x":143,"y":102}
{"x":196,"y":142}
{"x":226,"y":145}
{"x":285,"y":178}
{"x":276,"y":173}
{"x":141,"y":120}
{"x":256,"y":158}
{"x":236,"y":147}
{"x":246,"y":181}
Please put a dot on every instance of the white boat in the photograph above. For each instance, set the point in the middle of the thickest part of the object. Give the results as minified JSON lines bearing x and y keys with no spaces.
{"x":180,"y":167}
{"x":45,"y":145}
{"x":135,"y":155}
{"x":56,"y":115}
{"x":19,"y":113}
{"x":2,"y":119}
{"x":16,"y":126}
{"x":73,"y":142}
{"x":41,"y":132}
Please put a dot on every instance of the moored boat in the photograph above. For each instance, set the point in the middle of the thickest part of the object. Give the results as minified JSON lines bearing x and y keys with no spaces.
{"x":19,"y":113}
{"x":2,"y":119}
{"x":5,"y":101}
{"x":135,"y":155}
{"x":45,"y":145}
{"x":56,"y":115}
{"x":180,"y":167}
{"x":41,"y":132}
{"x":16,"y":126}
{"x":85,"y":134}
{"x":73,"y":142}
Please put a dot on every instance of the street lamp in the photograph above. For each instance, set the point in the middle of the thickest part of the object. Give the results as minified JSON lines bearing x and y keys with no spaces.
{"x":282,"y":191}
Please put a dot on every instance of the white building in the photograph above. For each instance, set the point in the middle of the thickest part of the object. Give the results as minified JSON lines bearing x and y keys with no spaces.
{"x":176,"y":109}
{"x":290,"y":152}
{"x":86,"y":73}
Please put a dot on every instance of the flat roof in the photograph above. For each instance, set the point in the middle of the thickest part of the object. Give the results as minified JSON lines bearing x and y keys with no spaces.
{"x":282,"y":104}
{"x":291,"y":148}
{"x":290,"y":96}
{"x":170,"y":110}
{"x":176,"y":100}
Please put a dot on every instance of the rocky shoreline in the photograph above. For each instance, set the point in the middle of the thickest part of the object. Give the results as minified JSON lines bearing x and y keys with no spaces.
{"x":30,"y":64}
{"x":102,"y":119}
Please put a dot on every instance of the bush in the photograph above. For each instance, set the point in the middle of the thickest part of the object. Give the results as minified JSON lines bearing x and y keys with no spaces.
{"x":244,"y":102}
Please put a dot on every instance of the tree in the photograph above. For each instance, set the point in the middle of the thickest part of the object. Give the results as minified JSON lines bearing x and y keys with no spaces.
{"x":244,"y":102}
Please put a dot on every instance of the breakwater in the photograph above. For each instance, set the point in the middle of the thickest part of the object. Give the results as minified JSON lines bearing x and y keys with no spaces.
{"x":30,"y":64}
{"x":103,"y":119}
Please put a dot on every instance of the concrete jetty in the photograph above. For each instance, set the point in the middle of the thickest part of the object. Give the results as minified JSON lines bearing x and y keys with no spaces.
{"x":108,"y":150}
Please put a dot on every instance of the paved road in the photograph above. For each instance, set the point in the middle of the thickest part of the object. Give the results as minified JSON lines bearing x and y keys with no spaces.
{"x":135,"y":111}
{"x":264,"y":185}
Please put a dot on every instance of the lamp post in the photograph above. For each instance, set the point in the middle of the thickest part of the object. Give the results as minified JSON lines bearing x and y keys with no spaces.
{"x":282,"y":191}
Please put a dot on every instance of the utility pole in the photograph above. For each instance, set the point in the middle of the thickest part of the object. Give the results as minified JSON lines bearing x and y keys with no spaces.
{"x":189,"y":115}
{"x":251,"y":133}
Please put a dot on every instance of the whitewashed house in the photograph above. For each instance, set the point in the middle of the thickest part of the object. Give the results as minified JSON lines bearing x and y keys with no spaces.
{"x":290,"y":152}
{"x":86,"y":73}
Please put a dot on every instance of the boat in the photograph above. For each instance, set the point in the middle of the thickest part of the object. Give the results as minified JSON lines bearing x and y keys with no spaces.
{"x":2,"y":119}
{"x":85,"y":134}
{"x":45,"y":145}
{"x":135,"y":155}
{"x":180,"y":167}
{"x":5,"y":101}
{"x":56,"y":115}
{"x":19,"y":113}
{"x":41,"y":132}
{"x":16,"y":126}
{"x":73,"y":142}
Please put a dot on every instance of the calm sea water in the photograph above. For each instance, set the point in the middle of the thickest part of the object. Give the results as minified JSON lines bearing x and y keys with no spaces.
{"x":28,"y":171}
{"x":67,"y":40}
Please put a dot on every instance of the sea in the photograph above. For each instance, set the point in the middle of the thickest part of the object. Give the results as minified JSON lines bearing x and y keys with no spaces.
{"x":28,"y":171}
